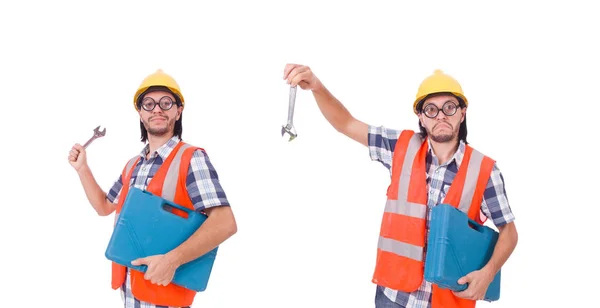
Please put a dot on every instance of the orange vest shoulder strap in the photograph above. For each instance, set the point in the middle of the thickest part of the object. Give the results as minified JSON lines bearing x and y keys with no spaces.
{"x":128,"y":169}
{"x":125,"y":178}
{"x":455,"y":190}
{"x":487,"y":165}
{"x":397,"y":162}
{"x":417,"y":189}
{"x":156,"y":184}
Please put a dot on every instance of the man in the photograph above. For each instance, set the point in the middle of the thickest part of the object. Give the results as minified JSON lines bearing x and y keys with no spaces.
{"x":160,"y":105}
{"x":427,"y":168}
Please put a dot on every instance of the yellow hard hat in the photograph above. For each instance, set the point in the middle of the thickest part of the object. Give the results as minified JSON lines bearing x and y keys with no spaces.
{"x":436,"y":83}
{"x":159,"y":78}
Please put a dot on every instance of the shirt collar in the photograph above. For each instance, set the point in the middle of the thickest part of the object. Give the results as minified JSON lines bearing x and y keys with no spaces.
{"x":458,"y":155}
{"x":163,"y":151}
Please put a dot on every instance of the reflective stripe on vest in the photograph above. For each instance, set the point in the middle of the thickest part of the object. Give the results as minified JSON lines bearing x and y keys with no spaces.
{"x":401,"y":206}
{"x":470,"y":181}
{"x":170,"y":183}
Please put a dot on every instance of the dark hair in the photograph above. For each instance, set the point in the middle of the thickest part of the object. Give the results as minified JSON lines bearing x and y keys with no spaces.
{"x":178,"y":129}
{"x":462,"y":130}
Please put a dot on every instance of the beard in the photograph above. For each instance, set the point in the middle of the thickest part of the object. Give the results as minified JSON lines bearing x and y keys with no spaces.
{"x":160,"y":131}
{"x":443,"y":136}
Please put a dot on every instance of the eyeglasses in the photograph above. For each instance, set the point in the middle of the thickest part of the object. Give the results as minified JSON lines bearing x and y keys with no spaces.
{"x":431,"y":110}
{"x":165,"y":103}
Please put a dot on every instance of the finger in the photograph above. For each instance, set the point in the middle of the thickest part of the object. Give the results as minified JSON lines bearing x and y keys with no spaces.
{"x":78,"y":147}
{"x":288,"y":68}
{"x":463,"y":294}
{"x":464,"y":279}
{"x":139,"y":261}
{"x":149,"y":275}
{"x":295,"y":71}
{"x":303,"y":71}
{"x":301,"y":76}
{"x":303,"y":85}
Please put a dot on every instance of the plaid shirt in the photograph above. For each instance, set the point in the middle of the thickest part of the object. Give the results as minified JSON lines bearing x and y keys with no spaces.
{"x":439,"y":178}
{"x":202,"y":185}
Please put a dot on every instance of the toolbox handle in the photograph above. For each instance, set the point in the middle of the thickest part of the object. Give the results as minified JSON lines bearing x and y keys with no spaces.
{"x":475,"y":225}
{"x":165,"y":206}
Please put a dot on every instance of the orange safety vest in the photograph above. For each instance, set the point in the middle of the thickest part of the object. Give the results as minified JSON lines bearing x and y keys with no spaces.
{"x":400,"y":259}
{"x":169,"y":183}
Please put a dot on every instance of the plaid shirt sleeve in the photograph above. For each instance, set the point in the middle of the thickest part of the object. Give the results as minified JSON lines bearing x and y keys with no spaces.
{"x":115,"y":190}
{"x":495,"y":203}
{"x":382,"y":142}
{"x":203,"y":184}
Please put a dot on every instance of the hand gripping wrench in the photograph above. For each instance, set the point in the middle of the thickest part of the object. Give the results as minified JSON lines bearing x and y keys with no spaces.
{"x":97,"y":134}
{"x":289,"y":127}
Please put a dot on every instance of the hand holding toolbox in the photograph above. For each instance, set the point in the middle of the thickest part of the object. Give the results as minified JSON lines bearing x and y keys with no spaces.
{"x":456,"y":246}
{"x":146,"y":226}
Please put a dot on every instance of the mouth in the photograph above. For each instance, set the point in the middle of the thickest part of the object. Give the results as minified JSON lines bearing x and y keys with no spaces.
{"x":157,"y":119}
{"x":442,"y":125}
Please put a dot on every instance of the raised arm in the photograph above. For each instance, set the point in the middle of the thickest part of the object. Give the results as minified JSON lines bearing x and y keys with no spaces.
{"x":333,"y":110}
{"x":93,"y":192}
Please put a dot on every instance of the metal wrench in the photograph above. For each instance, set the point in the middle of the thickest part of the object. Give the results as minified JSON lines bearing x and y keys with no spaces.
{"x":97,"y":134}
{"x":289,"y":127}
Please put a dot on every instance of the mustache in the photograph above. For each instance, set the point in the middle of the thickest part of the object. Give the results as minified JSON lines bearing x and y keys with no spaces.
{"x":154,"y":117}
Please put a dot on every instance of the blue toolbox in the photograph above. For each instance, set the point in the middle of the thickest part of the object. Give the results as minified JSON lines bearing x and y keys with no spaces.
{"x":456,"y":246}
{"x":147,"y":226}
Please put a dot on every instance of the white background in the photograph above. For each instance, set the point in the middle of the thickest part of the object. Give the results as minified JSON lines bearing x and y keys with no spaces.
{"x":308,"y":211}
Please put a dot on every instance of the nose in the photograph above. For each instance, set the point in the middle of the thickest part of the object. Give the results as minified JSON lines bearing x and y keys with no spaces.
{"x":441,"y":115}
{"x":157,"y":110}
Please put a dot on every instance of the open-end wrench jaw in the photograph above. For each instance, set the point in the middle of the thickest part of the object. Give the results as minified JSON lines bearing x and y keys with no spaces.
{"x":97,"y":134}
{"x":290,"y":130}
{"x":289,"y":127}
